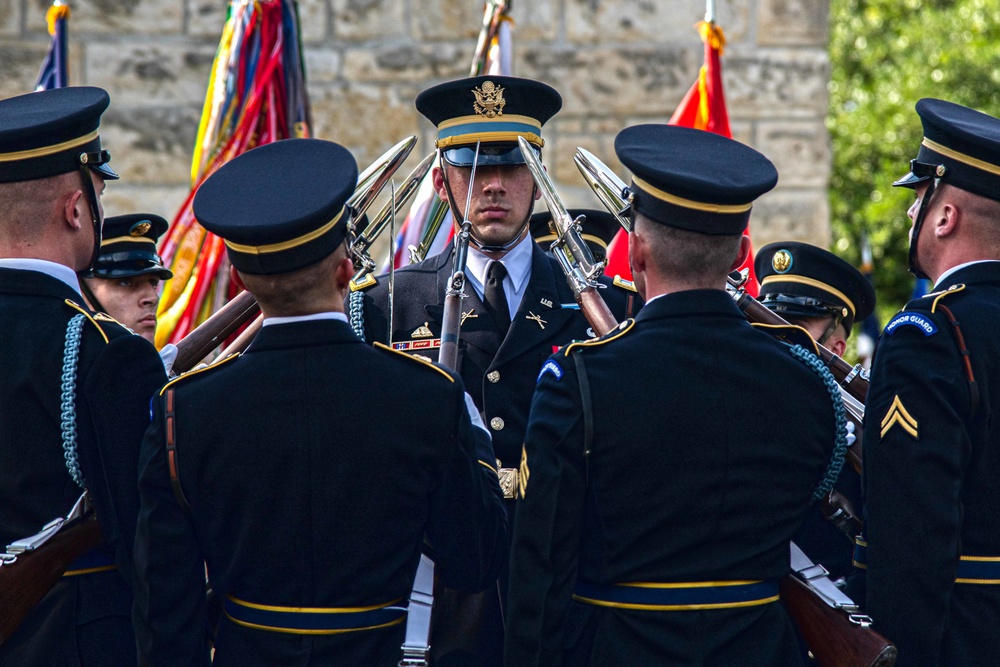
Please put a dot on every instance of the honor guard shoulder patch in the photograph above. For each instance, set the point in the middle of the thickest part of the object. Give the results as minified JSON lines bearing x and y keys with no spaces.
{"x":897,"y":415}
{"x":553,"y":368}
{"x":617,"y":332}
{"x":218,"y":363}
{"x":911,"y":319}
{"x":624,"y":284}
{"x":423,"y":361}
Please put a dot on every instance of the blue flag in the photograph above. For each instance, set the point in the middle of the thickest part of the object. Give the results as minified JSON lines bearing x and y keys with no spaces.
{"x":55,"y":72}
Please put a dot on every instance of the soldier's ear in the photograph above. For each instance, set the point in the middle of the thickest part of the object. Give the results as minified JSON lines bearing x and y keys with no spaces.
{"x":75,"y":210}
{"x":343,"y":274}
{"x":742,"y":253}
{"x":437,"y":178}
{"x":234,"y":275}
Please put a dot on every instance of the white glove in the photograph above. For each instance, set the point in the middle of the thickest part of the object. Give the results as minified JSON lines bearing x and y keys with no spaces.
{"x":167,"y":355}
{"x":477,"y":419}
{"x":851,"y":438}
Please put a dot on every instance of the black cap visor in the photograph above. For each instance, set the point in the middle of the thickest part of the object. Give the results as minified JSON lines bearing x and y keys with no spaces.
{"x":489,"y":155}
{"x":920,"y":172}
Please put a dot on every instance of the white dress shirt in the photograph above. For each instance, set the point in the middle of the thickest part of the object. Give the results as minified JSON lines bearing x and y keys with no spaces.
{"x":940,"y":281}
{"x":517,"y":261}
{"x":60,"y":272}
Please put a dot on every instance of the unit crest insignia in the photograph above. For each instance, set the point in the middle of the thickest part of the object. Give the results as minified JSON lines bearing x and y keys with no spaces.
{"x":782,"y":261}
{"x":489,"y":100}
{"x":140,"y":228}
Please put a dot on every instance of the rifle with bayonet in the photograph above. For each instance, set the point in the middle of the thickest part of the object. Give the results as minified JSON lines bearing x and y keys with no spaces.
{"x":361,"y":243}
{"x":456,"y":615}
{"x":33,"y":565}
{"x":570,"y":250}
{"x":211,"y":333}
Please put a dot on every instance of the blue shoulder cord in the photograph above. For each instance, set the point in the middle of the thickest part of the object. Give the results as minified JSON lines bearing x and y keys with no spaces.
{"x":357,"y":307}
{"x":840,"y":442}
{"x":71,"y":355}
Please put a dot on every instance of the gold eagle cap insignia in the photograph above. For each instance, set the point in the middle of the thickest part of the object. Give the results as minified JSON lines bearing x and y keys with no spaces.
{"x":489,"y":100}
{"x":139,"y":228}
{"x":782,"y":261}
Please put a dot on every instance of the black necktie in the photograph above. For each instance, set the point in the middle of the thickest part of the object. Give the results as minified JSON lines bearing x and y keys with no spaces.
{"x":496,"y":300}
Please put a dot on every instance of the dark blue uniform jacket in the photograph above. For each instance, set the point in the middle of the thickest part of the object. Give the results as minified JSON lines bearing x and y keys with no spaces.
{"x":85,"y":619}
{"x":687,"y":480}
{"x":932,"y":475}
{"x":314,"y":465}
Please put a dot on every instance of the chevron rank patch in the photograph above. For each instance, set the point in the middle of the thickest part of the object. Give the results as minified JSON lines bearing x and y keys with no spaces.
{"x":897,"y":415}
{"x":924,"y":324}
{"x":553,"y":368}
{"x":523,"y":474}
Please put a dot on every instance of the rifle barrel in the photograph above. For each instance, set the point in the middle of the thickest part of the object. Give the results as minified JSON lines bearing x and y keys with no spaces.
{"x":212,"y":332}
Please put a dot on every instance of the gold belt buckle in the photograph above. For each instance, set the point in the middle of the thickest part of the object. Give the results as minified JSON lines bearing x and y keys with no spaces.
{"x":508,"y":481}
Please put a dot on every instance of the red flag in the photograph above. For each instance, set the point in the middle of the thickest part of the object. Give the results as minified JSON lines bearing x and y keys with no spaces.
{"x":703,"y":108}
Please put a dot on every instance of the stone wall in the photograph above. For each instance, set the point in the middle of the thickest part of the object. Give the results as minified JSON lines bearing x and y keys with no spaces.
{"x":616,"y":63}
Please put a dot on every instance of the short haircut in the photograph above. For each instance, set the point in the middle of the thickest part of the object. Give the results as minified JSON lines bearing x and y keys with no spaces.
{"x":689,"y":255}
{"x":296,"y":291}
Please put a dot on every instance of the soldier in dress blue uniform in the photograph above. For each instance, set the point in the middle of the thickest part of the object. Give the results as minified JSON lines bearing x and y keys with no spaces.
{"x":931,"y":441}
{"x":305,"y":473}
{"x":126,"y":282}
{"x":519,"y":307}
{"x":822,"y":293}
{"x":74,"y":400}
{"x":656,"y":509}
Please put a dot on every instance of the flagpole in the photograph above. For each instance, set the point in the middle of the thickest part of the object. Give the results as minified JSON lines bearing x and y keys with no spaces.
{"x":710,"y":11}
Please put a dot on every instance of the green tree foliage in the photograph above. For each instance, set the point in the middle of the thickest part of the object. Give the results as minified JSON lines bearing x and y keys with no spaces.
{"x":885,"y":55}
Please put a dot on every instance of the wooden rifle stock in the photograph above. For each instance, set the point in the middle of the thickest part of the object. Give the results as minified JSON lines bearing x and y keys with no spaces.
{"x":212,"y":332}
{"x":832,"y":637}
{"x":596,"y":311}
{"x":24,"y":582}
{"x":243,"y":341}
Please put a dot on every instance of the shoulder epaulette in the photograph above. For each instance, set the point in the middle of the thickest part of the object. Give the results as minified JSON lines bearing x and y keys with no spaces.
{"x":792,"y":334}
{"x":86,"y":313}
{"x":420,"y":360}
{"x":196,"y":371}
{"x":617,"y":332}
{"x":104,"y":317}
{"x":368,"y":281}
{"x":935,"y":297}
{"x":624,"y":284}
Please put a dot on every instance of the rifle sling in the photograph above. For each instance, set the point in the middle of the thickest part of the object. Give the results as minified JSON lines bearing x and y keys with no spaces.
{"x":172,"y":462}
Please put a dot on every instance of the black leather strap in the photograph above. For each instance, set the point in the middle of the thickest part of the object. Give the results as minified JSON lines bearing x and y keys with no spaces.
{"x":588,"y":412}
